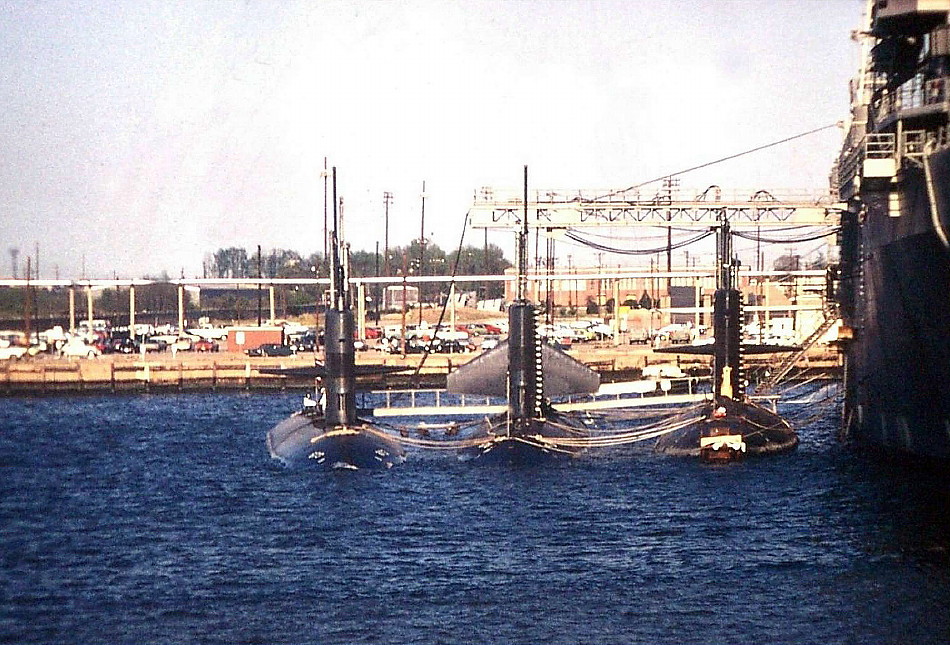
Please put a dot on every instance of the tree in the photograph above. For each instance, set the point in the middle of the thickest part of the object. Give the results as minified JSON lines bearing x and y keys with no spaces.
{"x":787,"y":262}
{"x":820,"y":262}
{"x":231,"y":262}
{"x":234,"y":262}
{"x":281,"y":263}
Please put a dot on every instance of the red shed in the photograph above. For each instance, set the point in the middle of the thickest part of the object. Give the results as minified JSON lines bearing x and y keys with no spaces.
{"x":244,"y":338}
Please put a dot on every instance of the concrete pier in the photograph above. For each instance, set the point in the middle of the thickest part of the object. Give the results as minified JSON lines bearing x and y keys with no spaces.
{"x":212,"y":371}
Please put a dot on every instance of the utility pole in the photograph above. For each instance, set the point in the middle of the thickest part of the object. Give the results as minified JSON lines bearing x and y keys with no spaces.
{"x":259,"y":292}
{"x":27,"y":303}
{"x":325,"y":175}
{"x":387,"y":200}
{"x":572,"y":294}
{"x":668,"y":185}
{"x":422,"y":246}
{"x":379,"y":287}
{"x":600,"y":282}
{"x":405,"y":273}
{"x":485,"y":267}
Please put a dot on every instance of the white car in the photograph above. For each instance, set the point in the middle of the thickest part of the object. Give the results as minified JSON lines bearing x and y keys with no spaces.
{"x":602,"y":331}
{"x":78,"y":349}
{"x":12,"y":352}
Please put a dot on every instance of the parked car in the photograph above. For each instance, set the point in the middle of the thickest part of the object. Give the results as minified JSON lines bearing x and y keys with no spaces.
{"x":489,"y":342}
{"x":183,"y":343}
{"x":374,"y":333}
{"x":205,"y":345}
{"x":123,"y":346}
{"x":12,"y":352}
{"x":38,"y":347}
{"x":305,"y":343}
{"x":153,"y":344}
{"x":640,"y":336}
{"x":674,"y":333}
{"x":270,"y":349}
{"x":77,"y":348}
{"x":602,"y":331}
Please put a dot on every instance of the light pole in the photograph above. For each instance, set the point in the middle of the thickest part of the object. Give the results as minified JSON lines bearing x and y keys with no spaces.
{"x":387,"y":200}
{"x":422,"y":245}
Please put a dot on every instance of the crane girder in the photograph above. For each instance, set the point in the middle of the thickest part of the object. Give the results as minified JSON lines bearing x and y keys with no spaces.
{"x":610,"y":214}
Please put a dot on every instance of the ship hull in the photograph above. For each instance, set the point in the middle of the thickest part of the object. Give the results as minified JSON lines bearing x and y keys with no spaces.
{"x":525,"y":447}
{"x":897,"y":367}
{"x":762,"y":431}
{"x":303,"y":440}
{"x":516,"y":451}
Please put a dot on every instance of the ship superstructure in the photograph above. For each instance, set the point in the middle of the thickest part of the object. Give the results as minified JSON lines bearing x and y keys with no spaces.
{"x":894,"y":175}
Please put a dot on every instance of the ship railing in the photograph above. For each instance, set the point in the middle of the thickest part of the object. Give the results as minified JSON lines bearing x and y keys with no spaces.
{"x":880,"y":145}
{"x":845,"y":170}
{"x":918,"y":92}
{"x":421,"y":402}
{"x":913,"y":144}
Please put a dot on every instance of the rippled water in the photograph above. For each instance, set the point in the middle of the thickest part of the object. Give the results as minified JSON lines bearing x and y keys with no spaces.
{"x":159,"y":519}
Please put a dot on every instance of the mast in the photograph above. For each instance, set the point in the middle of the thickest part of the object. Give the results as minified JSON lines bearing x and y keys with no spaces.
{"x":523,"y":246}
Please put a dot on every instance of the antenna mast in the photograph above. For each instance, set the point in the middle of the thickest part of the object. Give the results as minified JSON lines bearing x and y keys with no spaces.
{"x":523,"y":245}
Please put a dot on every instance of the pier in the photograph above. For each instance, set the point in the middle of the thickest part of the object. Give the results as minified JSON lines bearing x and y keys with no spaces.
{"x":189,"y":371}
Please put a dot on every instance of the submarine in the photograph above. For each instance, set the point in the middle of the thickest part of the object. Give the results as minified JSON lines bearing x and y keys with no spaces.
{"x":327,"y":432}
{"x":528,"y":372}
{"x":732,"y":426}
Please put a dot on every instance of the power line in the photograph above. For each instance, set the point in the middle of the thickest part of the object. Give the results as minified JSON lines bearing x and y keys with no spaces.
{"x":728,"y":158}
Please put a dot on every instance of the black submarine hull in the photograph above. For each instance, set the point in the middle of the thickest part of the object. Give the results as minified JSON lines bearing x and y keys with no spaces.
{"x":303,"y":439}
{"x":535,"y":444}
{"x":762,"y":431}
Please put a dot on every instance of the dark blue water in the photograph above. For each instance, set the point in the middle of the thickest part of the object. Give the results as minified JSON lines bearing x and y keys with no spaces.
{"x":159,"y":519}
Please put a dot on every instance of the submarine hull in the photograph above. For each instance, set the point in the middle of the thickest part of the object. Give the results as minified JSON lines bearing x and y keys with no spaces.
{"x":303,"y":439}
{"x":534,"y":444}
{"x":761,"y":431}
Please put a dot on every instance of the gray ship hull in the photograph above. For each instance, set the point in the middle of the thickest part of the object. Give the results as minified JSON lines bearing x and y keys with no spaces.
{"x":897,"y":367}
{"x":303,"y":439}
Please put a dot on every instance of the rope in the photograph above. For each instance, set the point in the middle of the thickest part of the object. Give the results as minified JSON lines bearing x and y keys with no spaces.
{"x":788,"y":240}
{"x":436,"y":444}
{"x":611,"y":249}
{"x":438,"y":326}
{"x":619,"y":438}
{"x":728,"y":158}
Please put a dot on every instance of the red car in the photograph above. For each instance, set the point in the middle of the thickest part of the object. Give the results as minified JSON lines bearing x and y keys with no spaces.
{"x":204,"y":345}
{"x":374,"y":332}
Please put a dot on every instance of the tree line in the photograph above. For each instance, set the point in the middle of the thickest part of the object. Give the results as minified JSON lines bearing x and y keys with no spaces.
{"x":412,"y":259}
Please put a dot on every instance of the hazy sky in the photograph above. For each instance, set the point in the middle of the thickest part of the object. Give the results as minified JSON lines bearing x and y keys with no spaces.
{"x":143,"y":135}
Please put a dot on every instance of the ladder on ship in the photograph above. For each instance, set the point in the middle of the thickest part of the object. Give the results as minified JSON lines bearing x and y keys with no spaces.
{"x":831,"y":317}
